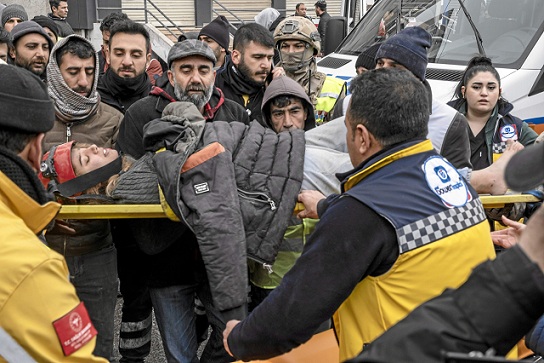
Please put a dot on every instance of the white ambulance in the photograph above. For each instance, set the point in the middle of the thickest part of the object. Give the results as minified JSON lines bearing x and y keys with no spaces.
{"x":507,"y":31}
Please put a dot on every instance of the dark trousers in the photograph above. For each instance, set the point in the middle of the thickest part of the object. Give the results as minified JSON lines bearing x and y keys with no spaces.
{"x":136,"y":320}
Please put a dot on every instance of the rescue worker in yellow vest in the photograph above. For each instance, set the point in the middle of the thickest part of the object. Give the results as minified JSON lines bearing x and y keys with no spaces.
{"x":406,"y":227}
{"x":298,"y":43}
{"x":41,"y":317}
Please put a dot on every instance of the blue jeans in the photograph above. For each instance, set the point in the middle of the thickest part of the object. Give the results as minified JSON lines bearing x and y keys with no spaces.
{"x":174,"y":311}
{"x":94,"y":276}
{"x":214,"y":352}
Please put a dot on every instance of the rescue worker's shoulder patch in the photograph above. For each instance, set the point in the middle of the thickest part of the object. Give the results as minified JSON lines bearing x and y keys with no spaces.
{"x":444,"y":180}
{"x":74,"y":329}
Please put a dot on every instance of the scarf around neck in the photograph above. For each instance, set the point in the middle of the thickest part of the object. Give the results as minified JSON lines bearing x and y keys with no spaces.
{"x":70,"y":106}
{"x":241,"y":84}
{"x":125,"y":87}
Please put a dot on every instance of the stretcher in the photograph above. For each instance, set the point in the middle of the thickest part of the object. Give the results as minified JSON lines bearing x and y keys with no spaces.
{"x":123,"y":211}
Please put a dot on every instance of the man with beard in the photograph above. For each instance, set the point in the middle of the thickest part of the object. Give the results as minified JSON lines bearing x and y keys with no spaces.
{"x":176,"y":271}
{"x":298,"y":43}
{"x":216,"y":35}
{"x":30,"y":48}
{"x":129,"y":53}
{"x":155,"y":66}
{"x":79,"y":115}
{"x":245,"y":75}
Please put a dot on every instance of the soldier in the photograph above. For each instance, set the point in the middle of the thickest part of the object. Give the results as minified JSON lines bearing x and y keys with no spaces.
{"x":298,"y":42}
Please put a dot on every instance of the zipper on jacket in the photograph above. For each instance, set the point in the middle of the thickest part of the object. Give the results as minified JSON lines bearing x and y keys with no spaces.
{"x":257,"y":197}
{"x":266,"y":266}
{"x":68,"y":131}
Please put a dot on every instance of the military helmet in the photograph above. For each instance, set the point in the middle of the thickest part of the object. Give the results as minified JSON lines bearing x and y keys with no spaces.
{"x":300,"y":28}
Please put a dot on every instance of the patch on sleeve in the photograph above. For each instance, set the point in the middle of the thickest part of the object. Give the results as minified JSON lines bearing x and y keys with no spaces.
{"x":74,"y":329}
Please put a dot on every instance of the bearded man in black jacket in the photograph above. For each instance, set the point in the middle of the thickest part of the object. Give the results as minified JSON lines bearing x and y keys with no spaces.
{"x":126,"y":80}
{"x":249,"y":69}
{"x":175,"y":269}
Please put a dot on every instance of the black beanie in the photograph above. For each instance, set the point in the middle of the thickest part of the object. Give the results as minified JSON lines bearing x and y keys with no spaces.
{"x":47,"y":22}
{"x":24,"y":103}
{"x":218,"y":30}
{"x":366,"y":58}
{"x":409,"y":48}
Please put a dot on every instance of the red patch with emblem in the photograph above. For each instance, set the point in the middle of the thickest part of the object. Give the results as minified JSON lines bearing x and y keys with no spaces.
{"x":74,"y":329}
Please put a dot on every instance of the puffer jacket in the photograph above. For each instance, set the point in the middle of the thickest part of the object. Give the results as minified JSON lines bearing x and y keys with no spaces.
{"x":240,"y":179}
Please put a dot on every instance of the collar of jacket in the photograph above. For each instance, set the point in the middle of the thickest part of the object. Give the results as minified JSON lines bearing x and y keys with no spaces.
{"x":157,"y":91}
{"x":35,"y":216}
{"x":239,"y":83}
{"x":209,"y":110}
{"x":54,"y":17}
{"x":379,"y":161}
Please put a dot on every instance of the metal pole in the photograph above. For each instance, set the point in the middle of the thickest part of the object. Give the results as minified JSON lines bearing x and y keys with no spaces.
{"x":145,"y":11}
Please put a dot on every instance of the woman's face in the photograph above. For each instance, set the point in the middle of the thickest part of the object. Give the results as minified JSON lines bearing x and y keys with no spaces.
{"x":88,"y":158}
{"x":482,"y":93}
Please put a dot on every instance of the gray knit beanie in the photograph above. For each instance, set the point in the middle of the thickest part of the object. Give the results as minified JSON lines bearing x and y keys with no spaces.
{"x":28,"y":27}
{"x":13,"y":11}
{"x":409,"y":48}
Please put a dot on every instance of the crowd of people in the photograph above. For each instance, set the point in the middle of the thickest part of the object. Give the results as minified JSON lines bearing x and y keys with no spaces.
{"x":392,"y":249}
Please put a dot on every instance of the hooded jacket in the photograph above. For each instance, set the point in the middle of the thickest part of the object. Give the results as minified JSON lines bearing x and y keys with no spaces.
{"x":285,"y":86}
{"x":97,"y":123}
{"x":500,"y":118}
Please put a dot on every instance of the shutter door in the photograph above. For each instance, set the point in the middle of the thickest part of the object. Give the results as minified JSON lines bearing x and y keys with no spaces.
{"x":245,"y":10}
{"x":333,"y":7}
{"x":181,"y":12}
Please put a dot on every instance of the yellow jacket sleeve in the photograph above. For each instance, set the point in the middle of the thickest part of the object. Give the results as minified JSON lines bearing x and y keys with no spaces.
{"x":42,"y":297}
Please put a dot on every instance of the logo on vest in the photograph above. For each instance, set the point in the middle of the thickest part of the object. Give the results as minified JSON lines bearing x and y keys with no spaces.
{"x":509,"y":132}
{"x":201,"y":188}
{"x":445,"y":182}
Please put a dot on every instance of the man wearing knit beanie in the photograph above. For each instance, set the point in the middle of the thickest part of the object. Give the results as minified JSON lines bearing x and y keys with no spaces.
{"x":31,"y":47}
{"x":447,"y":127}
{"x":49,"y":26}
{"x":408,"y":49}
{"x":12,"y":15}
{"x":365,"y":61}
{"x":216,"y":35}
{"x":37,"y":301}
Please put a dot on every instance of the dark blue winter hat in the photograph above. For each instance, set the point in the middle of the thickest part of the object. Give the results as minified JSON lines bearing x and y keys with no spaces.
{"x":409,"y":48}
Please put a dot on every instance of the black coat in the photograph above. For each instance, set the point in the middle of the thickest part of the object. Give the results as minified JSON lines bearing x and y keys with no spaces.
{"x":234,"y":85}
{"x":177,"y":263}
